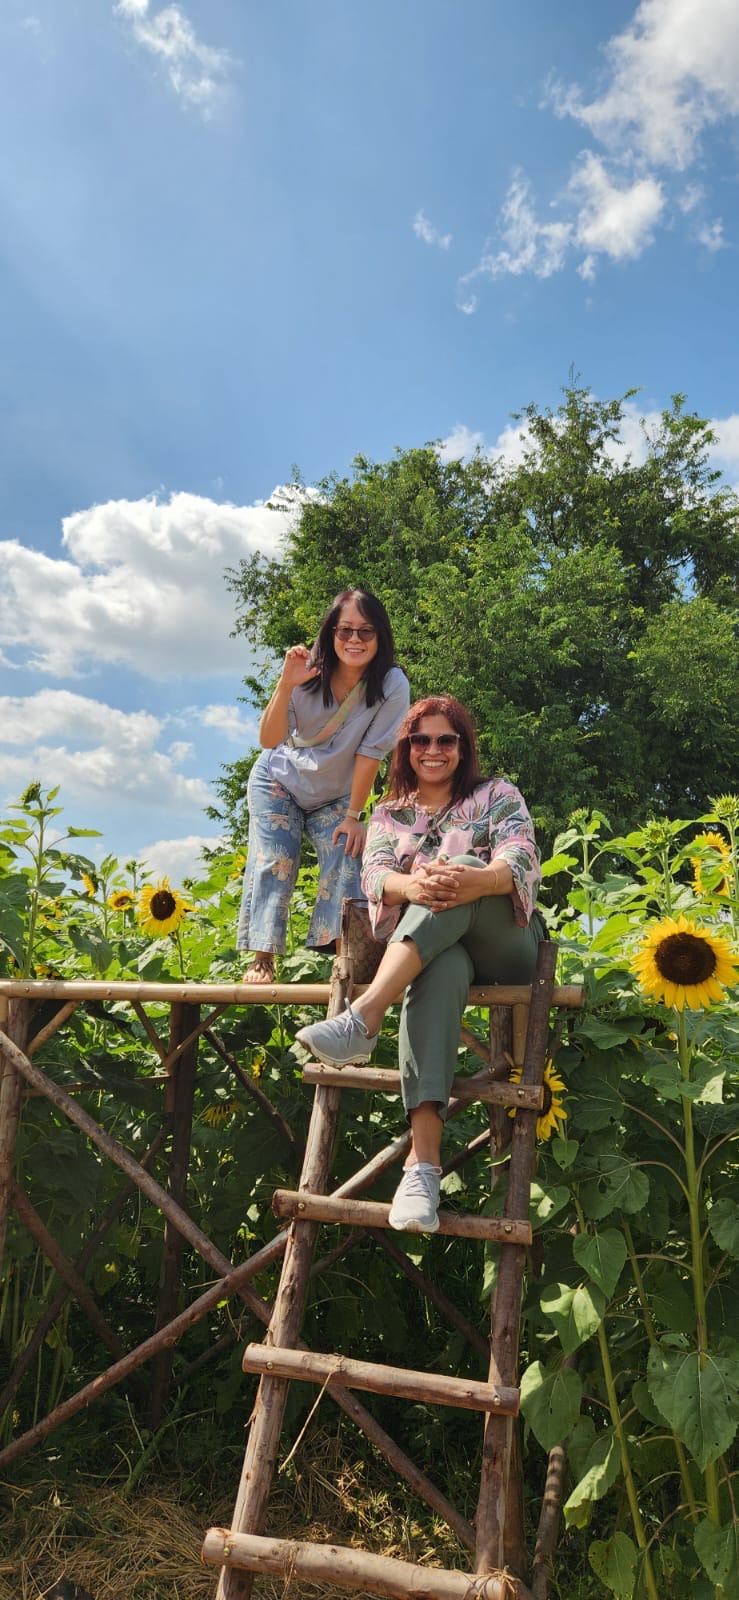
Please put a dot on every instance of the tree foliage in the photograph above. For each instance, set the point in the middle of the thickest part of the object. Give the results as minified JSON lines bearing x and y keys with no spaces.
{"x":581,"y":602}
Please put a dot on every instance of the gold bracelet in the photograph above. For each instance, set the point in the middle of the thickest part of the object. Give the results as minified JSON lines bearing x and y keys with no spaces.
{"x":495,"y":881}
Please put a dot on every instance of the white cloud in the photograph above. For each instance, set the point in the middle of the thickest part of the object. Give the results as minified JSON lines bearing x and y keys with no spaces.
{"x":177,"y":859}
{"x":141,"y":585}
{"x":94,"y":752}
{"x":460,"y":444}
{"x":229,"y":720}
{"x":426,"y":231}
{"x":711,"y":235}
{"x":725,"y":452}
{"x":197,"y":72}
{"x":672,"y":73}
{"x":614,"y":219}
{"x":528,"y":245}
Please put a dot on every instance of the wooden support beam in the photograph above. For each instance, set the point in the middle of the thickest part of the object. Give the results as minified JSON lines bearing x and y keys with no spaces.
{"x":182,"y":1066}
{"x":44,"y":1034}
{"x":551,"y":1510}
{"x":262,"y":1447}
{"x":340,"y":1372}
{"x":49,"y":1316}
{"x":346,"y":1569}
{"x":31,"y":1220}
{"x":385,"y":1080}
{"x":16,"y":1020}
{"x":374,"y":1214}
{"x":499,"y":1508}
{"x":257,"y":1095}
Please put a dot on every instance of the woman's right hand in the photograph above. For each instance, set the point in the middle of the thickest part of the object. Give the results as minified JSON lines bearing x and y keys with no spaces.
{"x":433,"y":884}
{"x":298,"y":667}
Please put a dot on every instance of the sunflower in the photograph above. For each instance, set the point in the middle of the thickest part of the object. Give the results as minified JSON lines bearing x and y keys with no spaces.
{"x":91,"y":884}
{"x":552,"y":1111}
{"x":716,"y":843}
{"x":684,"y":964}
{"x":121,"y":900}
{"x":726,"y":808}
{"x":161,"y":909}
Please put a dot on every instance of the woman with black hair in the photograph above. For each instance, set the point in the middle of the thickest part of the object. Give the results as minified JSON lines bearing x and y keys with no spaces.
{"x":451,"y":871}
{"x":334,"y":715}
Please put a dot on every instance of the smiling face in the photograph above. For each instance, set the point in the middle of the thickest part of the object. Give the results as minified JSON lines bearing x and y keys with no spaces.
{"x":354,"y":653}
{"x":435,"y":765}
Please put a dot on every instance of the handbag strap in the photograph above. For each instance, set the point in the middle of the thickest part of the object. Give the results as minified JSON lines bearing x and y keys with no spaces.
{"x":335,"y":721}
{"x":433,"y":822}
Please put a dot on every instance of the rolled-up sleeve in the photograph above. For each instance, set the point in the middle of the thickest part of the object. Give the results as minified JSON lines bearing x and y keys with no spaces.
{"x":378,"y":860}
{"x":512,"y":840}
{"x":382,"y":734}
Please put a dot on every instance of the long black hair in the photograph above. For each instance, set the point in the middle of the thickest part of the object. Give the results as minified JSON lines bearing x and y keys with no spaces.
{"x":325,"y":654}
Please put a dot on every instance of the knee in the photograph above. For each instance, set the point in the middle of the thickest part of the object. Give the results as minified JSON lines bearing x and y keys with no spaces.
{"x":449,"y":973}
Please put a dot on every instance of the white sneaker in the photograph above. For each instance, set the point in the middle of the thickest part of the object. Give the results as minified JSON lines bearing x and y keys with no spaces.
{"x":338,"y":1040}
{"x":416,"y":1199}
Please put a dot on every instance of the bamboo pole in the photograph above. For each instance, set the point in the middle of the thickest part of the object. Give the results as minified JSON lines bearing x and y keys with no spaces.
{"x":437,"y":1388}
{"x":49,"y":1316}
{"x":246,"y":994}
{"x":182,"y":1066}
{"x":374,"y":1214}
{"x":257,"y":1095}
{"x":266,"y":1423}
{"x":498,"y":1510}
{"x":385,"y":1080}
{"x":14,"y":1034}
{"x":346,"y":1568}
{"x":31,"y":1220}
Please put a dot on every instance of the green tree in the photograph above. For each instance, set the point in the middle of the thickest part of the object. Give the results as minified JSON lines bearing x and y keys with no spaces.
{"x":581,"y":603}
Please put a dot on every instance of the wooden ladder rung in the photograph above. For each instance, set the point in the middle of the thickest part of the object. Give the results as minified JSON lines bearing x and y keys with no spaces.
{"x":346,"y":1568}
{"x":340,"y":1371}
{"x":374,"y":1214}
{"x":479,"y":1086}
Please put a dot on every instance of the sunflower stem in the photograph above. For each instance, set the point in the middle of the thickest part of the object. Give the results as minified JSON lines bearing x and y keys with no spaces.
{"x":651,"y":1333}
{"x":697,"y":1248}
{"x":623,"y":1446}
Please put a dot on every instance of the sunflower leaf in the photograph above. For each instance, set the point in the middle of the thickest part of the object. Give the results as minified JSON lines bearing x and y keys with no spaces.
{"x":550,"y":1402}
{"x":718,"y":1552}
{"x":602,"y":1256}
{"x":614,"y":1562}
{"x":700,"y":1403}
{"x":576,"y":1313}
{"x":723,"y":1221}
{"x":602,"y":1467}
{"x":618,"y":1182}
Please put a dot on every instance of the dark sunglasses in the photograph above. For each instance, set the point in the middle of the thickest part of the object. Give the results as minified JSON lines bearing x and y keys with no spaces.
{"x":345,"y":633}
{"x":422,"y":741}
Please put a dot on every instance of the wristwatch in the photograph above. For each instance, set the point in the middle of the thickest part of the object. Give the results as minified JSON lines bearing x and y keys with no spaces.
{"x":357,"y":815}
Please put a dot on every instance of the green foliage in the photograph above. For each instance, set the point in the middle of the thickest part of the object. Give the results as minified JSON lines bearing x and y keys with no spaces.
{"x":578,"y":602}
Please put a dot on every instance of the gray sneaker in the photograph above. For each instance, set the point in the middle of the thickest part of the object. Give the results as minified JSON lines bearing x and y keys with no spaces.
{"x":414,"y":1207}
{"x":339,"y":1040}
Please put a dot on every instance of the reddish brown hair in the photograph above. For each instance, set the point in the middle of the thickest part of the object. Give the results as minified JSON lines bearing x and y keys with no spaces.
{"x":402,"y":779}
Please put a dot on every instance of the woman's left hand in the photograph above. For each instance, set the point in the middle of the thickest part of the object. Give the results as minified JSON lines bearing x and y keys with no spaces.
{"x":355,"y":833}
{"x":462,"y":884}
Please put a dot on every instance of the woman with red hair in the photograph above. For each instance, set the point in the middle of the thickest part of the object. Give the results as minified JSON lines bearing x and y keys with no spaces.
{"x":451,"y":872}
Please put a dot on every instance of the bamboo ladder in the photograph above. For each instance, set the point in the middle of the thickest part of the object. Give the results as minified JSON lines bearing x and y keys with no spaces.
{"x":519,"y":1024}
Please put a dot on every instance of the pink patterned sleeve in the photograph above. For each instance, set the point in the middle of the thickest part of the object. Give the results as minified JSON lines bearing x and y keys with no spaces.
{"x":380,"y":858}
{"x":512,"y":840}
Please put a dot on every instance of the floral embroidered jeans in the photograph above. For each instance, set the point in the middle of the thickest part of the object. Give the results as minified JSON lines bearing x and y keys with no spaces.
{"x":276,"y":827}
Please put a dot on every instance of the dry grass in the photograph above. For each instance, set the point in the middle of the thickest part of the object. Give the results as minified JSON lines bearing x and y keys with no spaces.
{"x":147,"y":1546}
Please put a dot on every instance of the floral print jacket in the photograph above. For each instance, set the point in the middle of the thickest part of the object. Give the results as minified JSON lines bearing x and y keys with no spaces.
{"x":492,"y":823}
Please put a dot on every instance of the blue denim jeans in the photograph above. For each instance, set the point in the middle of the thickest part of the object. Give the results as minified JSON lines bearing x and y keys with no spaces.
{"x":276,"y":827}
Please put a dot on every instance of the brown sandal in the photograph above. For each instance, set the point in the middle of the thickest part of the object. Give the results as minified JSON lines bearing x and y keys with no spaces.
{"x":262,"y":969}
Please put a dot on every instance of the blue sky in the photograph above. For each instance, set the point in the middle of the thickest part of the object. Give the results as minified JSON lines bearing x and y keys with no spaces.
{"x":238,"y":237}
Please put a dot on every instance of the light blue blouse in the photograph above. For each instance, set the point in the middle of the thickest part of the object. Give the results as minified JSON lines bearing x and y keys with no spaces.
{"x":323,"y":772}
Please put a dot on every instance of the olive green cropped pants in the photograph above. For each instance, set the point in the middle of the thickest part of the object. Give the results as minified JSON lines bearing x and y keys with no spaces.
{"x":477,"y":943}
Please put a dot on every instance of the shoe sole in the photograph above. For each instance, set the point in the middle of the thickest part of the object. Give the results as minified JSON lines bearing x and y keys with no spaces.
{"x":332,"y":1061}
{"x":415,"y":1227}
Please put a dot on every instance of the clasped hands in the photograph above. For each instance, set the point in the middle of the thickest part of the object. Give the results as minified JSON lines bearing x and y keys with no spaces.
{"x":441,"y":884}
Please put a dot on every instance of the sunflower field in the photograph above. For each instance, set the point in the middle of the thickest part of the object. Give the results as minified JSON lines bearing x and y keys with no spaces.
{"x":630,"y":1347}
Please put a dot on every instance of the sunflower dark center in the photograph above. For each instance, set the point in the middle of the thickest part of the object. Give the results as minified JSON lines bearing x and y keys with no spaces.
{"x":547,"y":1105}
{"x":163,"y":905}
{"x":684,"y":958}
